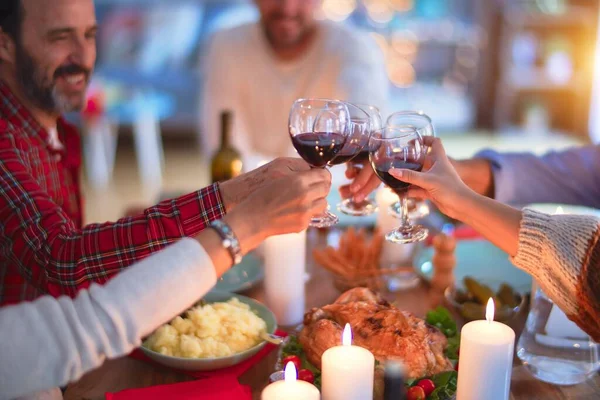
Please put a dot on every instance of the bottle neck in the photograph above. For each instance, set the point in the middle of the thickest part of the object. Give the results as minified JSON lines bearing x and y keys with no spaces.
{"x":225,"y":129}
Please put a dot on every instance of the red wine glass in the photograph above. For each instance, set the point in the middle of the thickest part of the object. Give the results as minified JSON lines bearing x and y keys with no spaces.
{"x":318,"y":129}
{"x":398,"y":148}
{"x":367,"y":206}
{"x":423,"y":124}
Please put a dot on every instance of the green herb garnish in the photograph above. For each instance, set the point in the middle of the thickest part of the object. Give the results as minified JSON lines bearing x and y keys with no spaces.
{"x":442,"y":319}
{"x":445,"y":385}
{"x":445,"y":382}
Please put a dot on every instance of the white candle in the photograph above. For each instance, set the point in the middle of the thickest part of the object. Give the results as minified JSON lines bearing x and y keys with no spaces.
{"x":290,"y":388}
{"x":285,"y":267}
{"x":347,"y":371}
{"x":486,"y":358}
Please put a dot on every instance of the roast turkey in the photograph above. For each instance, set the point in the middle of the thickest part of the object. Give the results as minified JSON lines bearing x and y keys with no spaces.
{"x":386,"y":331}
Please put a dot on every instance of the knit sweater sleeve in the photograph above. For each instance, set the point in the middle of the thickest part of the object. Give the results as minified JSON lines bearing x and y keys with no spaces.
{"x":562,"y":252}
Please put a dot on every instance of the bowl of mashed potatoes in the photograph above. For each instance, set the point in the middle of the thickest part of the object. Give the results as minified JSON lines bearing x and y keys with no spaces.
{"x":221,"y":330}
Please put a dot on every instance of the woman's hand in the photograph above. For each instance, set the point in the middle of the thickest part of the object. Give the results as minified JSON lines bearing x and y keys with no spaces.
{"x":439,"y":181}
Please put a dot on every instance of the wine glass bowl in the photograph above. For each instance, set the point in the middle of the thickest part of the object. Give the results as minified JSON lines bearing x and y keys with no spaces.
{"x":319,"y":129}
{"x":358,"y":135}
{"x":416,"y":119}
{"x":400,"y":148}
{"x":424,"y":126}
{"x":360,"y":152}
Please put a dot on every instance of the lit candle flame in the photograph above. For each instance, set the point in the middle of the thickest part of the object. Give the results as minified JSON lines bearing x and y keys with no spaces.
{"x":290,"y":372}
{"x":559,"y":211}
{"x":489,"y":310}
{"x":347,"y":336}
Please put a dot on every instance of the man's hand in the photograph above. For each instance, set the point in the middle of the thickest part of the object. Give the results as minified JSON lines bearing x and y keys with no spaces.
{"x":236,"y":190}
{"x":282,"y":205}
{"x":365,"y":181}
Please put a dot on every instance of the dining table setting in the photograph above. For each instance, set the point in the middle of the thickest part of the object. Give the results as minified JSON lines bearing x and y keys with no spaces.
{"x":381,"y":299}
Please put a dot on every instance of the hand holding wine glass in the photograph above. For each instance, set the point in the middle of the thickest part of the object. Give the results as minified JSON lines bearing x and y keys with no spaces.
{"x":287,"y":203}
{"x":424,"y":126}
{"x":398,"y":148}
{"x":439,"y":181}
{"x":236,"y":190}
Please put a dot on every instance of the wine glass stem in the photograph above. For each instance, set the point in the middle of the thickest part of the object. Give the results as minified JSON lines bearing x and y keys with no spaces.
{"x":405,"y":219}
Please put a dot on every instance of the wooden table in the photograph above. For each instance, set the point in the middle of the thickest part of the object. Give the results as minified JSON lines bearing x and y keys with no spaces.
{"x":126,"y":373}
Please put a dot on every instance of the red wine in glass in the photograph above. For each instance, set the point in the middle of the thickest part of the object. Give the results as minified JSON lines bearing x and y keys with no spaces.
{"x":399,"y":148}
{"x":348,"y":153}
{"x":318,"y":148}
{"x":382,"y":167}
{"x":319,"y":129}
{"x":361,"y":157}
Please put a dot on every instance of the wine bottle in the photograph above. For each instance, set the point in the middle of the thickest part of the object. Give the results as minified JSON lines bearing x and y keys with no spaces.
{"x":227,"y":161}
{"x":393,"y":381}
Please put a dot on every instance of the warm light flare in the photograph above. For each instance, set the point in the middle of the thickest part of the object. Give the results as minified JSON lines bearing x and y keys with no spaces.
{"x":347,"y":336}
{"x":489,"y":310}
{"x":338,"y":10}
{"x":290,"y":372}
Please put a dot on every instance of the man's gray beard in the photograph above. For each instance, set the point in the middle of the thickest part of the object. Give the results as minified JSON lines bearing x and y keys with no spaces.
{"x":62,"y":104}
{"x":46,"y":97}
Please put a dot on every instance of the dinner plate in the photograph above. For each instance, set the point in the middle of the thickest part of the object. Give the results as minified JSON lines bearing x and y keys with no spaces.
{"x":209,"y":364}
{"x":479,"y":259}
{"x":243,"y":276}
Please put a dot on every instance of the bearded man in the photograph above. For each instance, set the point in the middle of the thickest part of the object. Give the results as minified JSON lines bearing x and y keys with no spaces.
{"x":47,"y":56}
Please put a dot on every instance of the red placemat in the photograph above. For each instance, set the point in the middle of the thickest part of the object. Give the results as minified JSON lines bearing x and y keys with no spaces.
{"x":220,"y":387}
{"x":235,"y":371}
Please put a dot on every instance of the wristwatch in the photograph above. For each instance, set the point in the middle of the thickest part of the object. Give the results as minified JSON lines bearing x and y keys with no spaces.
{"x":229,"y":240}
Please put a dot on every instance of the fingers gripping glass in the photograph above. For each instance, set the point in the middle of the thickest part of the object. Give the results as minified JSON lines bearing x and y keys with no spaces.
{"x":398,"y":148}
{"x":318,"y":129}
{"x":424,"y":126}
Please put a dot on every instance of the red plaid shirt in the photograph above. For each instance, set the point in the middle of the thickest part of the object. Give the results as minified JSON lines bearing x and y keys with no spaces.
{"x":43,"y":247}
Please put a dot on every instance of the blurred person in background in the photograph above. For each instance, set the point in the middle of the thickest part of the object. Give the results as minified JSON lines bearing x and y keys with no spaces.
{"x":570,"y":177}
{"x":259,"y":69}
{"x":47,"y":56}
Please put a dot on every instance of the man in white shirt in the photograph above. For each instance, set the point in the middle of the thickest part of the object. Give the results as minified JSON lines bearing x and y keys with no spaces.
{"x":258,"y":70}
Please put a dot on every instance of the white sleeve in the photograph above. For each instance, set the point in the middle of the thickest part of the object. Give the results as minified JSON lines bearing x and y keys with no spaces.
{"x":363,"y":77}
{"x":50,"y":342}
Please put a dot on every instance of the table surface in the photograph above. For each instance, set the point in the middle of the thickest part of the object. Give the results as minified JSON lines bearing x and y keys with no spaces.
{"x":127,"y":373}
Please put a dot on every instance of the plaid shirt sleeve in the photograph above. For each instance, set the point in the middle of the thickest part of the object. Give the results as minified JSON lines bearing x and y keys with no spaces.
{"x":49,"y":251}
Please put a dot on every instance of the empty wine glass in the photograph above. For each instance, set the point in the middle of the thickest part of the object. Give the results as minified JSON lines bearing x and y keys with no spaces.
{"x":398,"y":148}
{"x":423,"y":124}
{"x":318,"y":129}
{"x":367,"y":206}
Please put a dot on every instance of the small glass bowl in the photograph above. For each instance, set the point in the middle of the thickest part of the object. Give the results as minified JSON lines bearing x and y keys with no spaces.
{"x":472,"y":311}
